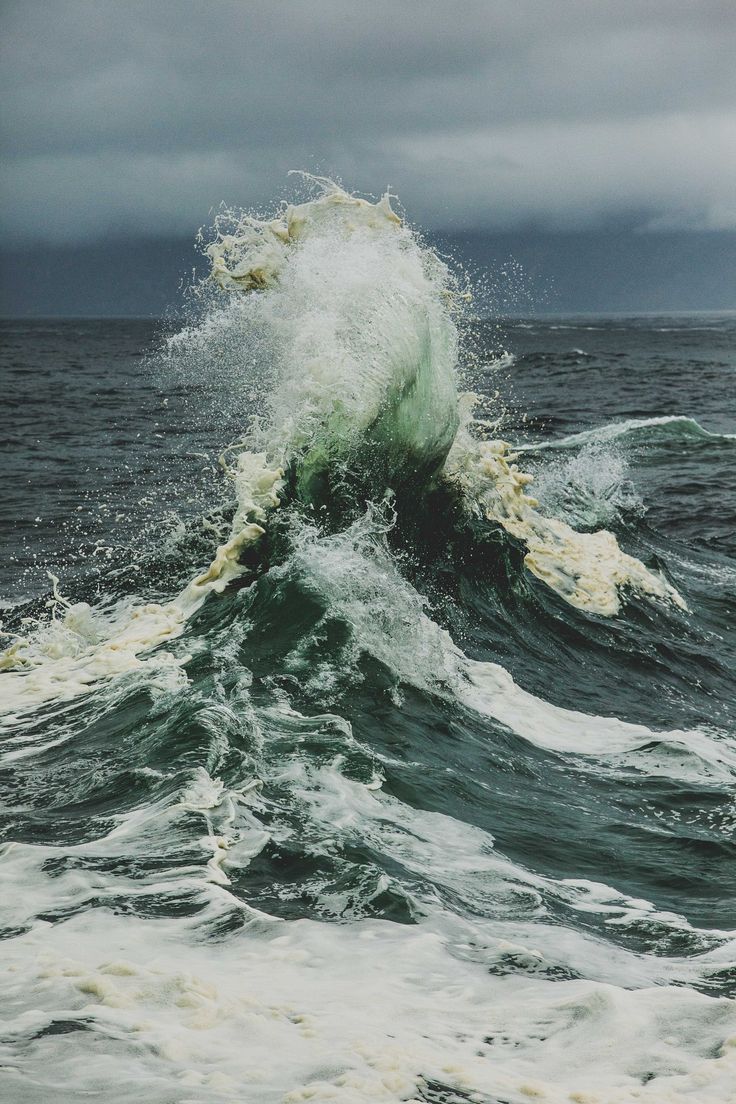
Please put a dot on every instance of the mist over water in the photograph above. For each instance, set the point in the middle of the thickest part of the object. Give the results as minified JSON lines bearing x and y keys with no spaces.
{"x":356,"y":766}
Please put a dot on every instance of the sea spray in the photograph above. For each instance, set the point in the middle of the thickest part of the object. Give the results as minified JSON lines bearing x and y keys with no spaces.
{"x":322,"y":842}
{"x":357,"y":318}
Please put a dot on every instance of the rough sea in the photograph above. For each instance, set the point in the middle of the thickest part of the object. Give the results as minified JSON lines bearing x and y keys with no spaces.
{"x":405,"y":793}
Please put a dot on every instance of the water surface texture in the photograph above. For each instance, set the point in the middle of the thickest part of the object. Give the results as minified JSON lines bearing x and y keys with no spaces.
{"x":406,"y":795}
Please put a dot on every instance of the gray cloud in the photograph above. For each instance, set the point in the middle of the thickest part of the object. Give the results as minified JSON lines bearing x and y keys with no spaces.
{"x":133,"y":118}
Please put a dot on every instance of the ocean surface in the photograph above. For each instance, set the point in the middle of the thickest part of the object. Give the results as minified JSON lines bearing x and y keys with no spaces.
{"x":380,"y":807}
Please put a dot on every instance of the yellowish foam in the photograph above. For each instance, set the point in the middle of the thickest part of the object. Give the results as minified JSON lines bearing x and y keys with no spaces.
{"x":253,"y":255}
{"x":361,"y":325}
{"x":588,"y":570}
{"x":66,"y":656}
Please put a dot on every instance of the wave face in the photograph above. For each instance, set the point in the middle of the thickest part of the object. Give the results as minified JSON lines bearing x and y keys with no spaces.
{"x":668,"y":428}
{"x":379,"y":777}
{"x":357,"y":322}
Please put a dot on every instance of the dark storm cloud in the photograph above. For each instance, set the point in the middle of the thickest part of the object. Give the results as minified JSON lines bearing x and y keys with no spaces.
{"x":122,"y":118}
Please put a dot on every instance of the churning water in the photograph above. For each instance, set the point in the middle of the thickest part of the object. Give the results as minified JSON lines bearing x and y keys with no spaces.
{"x":360,"y":767}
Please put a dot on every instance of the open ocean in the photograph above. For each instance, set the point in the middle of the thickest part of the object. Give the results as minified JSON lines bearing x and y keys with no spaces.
{"x":411,"y":795}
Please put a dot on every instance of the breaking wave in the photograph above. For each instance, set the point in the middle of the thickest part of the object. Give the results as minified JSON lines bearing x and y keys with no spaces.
{"x":289,"y":832}
{"x":668,"y":428}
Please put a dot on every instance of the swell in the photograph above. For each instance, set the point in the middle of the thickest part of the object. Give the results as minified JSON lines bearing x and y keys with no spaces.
{"x":664,"y":430}
{"x":365,"y":757}
{"x":336,"y":800}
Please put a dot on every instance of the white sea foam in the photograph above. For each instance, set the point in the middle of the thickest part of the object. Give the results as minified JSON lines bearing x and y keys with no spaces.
{"x":167,"y":1009}
{"x":590,"y":488}
{"x":317,"y":997}
{"x":358,"y":578}
{"x":179,"y":1009}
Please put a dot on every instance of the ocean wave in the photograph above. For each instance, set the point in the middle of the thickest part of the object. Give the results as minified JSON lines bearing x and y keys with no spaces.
{"x":590,"y":489}
{"x":356,"y":576}
{"x":500,"y":979}
{"x":359,"y":321}
{"x":250,"y":818}
{"x":668,"y":427}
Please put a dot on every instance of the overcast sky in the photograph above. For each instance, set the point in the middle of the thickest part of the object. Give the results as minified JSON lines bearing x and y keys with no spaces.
{"x":123,"y":118}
